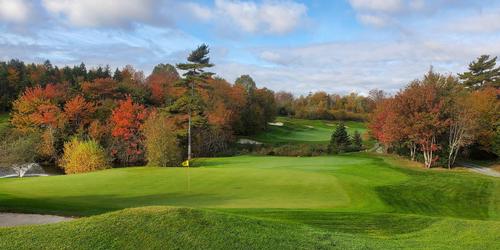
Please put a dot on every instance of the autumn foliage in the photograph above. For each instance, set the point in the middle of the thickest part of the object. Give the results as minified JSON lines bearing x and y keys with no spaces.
{"x":127,"y":120}
{"x":435,"y":118}
{"x":83,"y":156}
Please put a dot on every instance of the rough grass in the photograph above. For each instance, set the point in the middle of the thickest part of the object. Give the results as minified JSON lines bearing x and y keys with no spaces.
{"x":305,"y":131}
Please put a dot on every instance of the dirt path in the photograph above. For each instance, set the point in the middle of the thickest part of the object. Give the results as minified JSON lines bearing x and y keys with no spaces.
{"x":13,"y":219}
{"x":480,"y":169}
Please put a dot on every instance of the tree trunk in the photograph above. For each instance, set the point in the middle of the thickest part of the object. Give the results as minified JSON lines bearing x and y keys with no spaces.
{"x":455,"y":140}
{"x":428,"y":150}
{"x":413,"y":150}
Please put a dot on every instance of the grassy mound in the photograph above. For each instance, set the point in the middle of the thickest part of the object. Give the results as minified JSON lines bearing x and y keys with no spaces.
{"x":185,"y":228}
{"x":170,"y":228}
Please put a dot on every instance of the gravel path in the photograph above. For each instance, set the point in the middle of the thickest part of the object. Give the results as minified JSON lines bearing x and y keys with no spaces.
{"x":480,"y":169}
{"x":14,"y":219}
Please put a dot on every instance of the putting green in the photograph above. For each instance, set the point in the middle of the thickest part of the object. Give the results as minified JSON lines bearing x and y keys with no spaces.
{"x":340,"y":182}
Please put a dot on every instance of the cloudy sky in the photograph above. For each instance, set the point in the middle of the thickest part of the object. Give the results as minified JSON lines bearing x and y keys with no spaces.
{"x":298,"y":46}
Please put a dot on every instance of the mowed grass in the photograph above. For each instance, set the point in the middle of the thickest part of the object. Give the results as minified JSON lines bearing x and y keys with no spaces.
{"x":341,"y":182}
{"x":346,"y":202}
{"x":305,"y":131}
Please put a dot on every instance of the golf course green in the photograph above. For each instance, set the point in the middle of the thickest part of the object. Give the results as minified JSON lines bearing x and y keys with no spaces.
{"x":348,"y":201}
{"x":292,"y":130}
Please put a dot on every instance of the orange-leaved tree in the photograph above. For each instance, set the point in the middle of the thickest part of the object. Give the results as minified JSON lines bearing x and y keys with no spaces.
{"x":128,"y":141}
{"x":38,"y":108}
{"x":78,"y":113}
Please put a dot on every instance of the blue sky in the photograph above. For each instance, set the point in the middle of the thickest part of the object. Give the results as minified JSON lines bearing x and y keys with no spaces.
{"x":298,"y":46}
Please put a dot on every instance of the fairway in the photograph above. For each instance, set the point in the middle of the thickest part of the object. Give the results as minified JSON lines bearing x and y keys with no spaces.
{"x":357,"y":200}
{"x":304,"y":131}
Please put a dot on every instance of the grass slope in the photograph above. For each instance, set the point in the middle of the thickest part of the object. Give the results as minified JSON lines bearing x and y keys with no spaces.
{"x":168,"y":228}
{"x":184,"y":228}
{"x":304,"y":131}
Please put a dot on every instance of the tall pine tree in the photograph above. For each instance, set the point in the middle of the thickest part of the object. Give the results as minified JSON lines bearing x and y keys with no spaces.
{"x":482,"y":73}
{"x":194,"y":77}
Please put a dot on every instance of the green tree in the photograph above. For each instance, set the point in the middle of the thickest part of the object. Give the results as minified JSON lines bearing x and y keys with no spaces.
{"x":357,"y":141}
{"x":340,"y":141}
{"x":194,"y":77}
{"x":167,"y":69}
{"x":482,"y":73}
{"x":18,"y":153}
{"x":162,"y":147}
{"x":246,"y":82}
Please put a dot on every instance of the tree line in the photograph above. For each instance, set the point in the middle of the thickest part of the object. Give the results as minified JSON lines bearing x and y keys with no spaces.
{"x":128,"y":118}
{"x":441,"y":117}
{"x":323,"y":106}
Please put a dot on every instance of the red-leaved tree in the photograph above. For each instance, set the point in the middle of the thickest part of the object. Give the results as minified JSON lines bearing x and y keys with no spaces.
{"x":127,"y":120}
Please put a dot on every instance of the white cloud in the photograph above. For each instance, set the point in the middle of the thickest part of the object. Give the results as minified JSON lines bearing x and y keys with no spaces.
{"x":362,"y":65}
{"x":377,"y":5}
{"x":95,"y":13}
{"x":16,"y":11}
{"x":373,"y":20}
{"x":271,"y":17}
{"x":200,"y":12}
{"x":380,"y":13}
{"x":488,"y":21}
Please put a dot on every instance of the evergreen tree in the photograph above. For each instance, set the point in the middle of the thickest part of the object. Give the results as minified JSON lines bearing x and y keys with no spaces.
{"x":482,"y":73}
{"x":195,"y":77}
{"x":340,"y":140}
{"x":247,"y":83}
{"x":357,"y":141}
{"x":117,"y":76}
{"x":166,"y":69}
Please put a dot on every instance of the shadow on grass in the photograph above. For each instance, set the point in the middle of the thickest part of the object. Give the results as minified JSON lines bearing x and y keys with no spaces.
{"x":87,"y":205}
{"x":448,"y":194}
{"x":379,"y":224}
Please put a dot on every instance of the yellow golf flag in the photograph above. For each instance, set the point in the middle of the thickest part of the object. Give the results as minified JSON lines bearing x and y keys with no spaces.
{"x":185,"y":163}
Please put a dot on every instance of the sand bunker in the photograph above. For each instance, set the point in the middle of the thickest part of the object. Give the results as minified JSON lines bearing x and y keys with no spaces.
{"x":248,"y":141}
{"x":14,"y":219}
{"x":275,"y":124}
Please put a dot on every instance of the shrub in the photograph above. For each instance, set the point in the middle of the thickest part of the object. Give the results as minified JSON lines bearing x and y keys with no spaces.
{"x":357,"y":141}
{"x":211,"y":141}
{"x":83,"y":156}
{"x":162,"y":147}
{"x":284,"y":150}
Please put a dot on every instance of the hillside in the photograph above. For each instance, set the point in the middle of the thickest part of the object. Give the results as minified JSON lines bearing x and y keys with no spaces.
{"x":292,"y":130}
